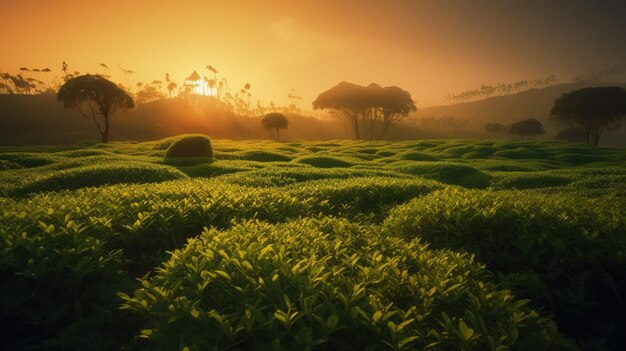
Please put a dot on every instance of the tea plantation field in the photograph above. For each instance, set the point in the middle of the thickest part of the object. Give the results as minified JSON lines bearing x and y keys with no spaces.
{"x":342,"y":245}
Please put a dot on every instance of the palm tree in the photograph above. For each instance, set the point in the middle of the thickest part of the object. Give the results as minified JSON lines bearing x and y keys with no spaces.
{"x":93,"y":96}
{"x":171,"y":87}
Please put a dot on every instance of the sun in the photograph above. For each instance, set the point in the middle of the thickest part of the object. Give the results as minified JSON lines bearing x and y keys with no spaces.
{"x":201,"y":87}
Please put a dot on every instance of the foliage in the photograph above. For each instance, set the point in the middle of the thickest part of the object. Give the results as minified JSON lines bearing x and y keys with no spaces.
{"x":445,"y":172}
{"x":73,"y":233}
{"x":327,"y":284}
{"x":576,"y":135}
{"x":274,"y":121}
{"x":190,"y":146}
{"x":594,"y":109}
{"x":92,"y":96}
{"x":361,"y":108}
{"x":495,"y":128}
{"x":565,"y":254}
{"x":527,"y":128}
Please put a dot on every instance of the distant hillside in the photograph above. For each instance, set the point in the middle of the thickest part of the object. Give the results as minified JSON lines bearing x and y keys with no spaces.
{"x":507,"y":109}
{"x":40,"y":119}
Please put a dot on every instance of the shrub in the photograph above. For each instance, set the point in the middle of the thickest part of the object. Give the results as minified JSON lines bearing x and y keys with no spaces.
{"x":416,"y":156}
{"x":324,"y":161}
{"x":368,"y":198}
{"x":445,"y":172}
{"x":98,"y":175}
{"x":526,"y":180}
{"x":190,"y":146}
{"x":327,"y":284}
{"x":565,"y":253}
{"x":264,"y":156}
{"x":4,"y":165}
{"x":64,"y":255}
{"x":28,"y":159}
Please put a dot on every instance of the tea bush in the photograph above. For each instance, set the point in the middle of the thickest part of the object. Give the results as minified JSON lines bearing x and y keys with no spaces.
{"x":28,"y":159}
{"x":324,"y":161}
{"x":527,"y":180}
{"x":565,"y":253}
{"x":445,"y":172}
{"x":190,"y":146}
{"x":264,"y":156}
{"x":100,"y":174}
{"x":327,"y":284}
{"x":362,"y":197}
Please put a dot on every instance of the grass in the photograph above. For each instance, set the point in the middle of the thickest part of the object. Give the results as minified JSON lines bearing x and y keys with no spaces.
{"x":321,"y":245}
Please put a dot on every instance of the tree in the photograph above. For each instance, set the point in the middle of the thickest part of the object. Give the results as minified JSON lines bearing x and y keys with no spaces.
{"x":93,"y":96}
{"x":527,"y":128}
{"x":148,"y":93}
{"x":362,"y":108}
{"x":274,"y":121}
{"x":594,"y":109}
{"x":170,"y":87}
{"x":495,"y":128}
{"x":576,"y":135}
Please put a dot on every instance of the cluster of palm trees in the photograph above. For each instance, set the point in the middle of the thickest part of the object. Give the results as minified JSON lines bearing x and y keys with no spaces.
{"x":486,"y":91}
{"x":34,"y":81}
{"x":28,"y":81}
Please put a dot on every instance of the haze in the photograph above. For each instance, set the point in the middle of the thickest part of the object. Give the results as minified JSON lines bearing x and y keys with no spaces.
{"x":430,"y":48}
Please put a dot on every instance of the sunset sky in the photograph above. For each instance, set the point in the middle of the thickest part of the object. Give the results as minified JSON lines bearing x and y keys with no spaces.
{"x":430,"y":48}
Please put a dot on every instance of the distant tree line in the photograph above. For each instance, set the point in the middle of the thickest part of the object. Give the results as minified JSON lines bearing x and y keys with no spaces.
{"x":32,"y":81}
{"x":486,"y":91}
{"x":598,"y":76}
{"x":588,"y":113}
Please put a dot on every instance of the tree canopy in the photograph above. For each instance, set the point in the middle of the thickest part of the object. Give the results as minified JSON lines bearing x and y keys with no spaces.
{"x":527,"y":128}
{"x":594,"y":109}
{"x":365,"y":108}
{"x":275,"y":121}
{"x":495,"y":128}
{"x":93,"y":96}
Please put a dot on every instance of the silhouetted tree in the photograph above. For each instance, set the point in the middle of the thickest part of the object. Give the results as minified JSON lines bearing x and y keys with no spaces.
{"x":170,"y":87}
{"x":527,"y":128}
{"x":594,"y":109}
{"x":93,"y":96}
{"x":363,"y":107}
{"x":126,"y":72}
{"x":274,"y":121}
{"x":495,"y":128}
{"x":148,"y":93}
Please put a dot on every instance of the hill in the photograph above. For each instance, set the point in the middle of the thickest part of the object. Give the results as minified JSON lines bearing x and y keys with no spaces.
{"x":507,"y":109}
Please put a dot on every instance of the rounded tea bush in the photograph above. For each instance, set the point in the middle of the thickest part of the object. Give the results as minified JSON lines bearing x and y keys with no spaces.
{"x":328,"y":284}
{"x":190,"y":146}
{"x":564,"y":253}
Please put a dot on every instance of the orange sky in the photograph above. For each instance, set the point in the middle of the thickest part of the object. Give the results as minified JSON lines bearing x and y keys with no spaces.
{"x":430,"y":48}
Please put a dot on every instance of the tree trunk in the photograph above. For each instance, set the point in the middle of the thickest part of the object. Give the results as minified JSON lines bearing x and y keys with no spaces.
{"x":356,"y":127}
{"x":105,"y":133}
{"x":277,"y":131}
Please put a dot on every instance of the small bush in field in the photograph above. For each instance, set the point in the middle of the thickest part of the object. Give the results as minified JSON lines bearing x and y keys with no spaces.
{"x":190,"y":146}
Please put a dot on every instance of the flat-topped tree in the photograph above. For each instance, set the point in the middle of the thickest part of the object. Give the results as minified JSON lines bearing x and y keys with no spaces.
{"x":362,"y":108}
{"x":93,"y":96}
{"x":594,"y":109}
{"x":274,"y":121}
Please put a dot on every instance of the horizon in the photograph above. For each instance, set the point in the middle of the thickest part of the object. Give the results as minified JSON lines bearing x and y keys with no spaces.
{"x":430,"y":49}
